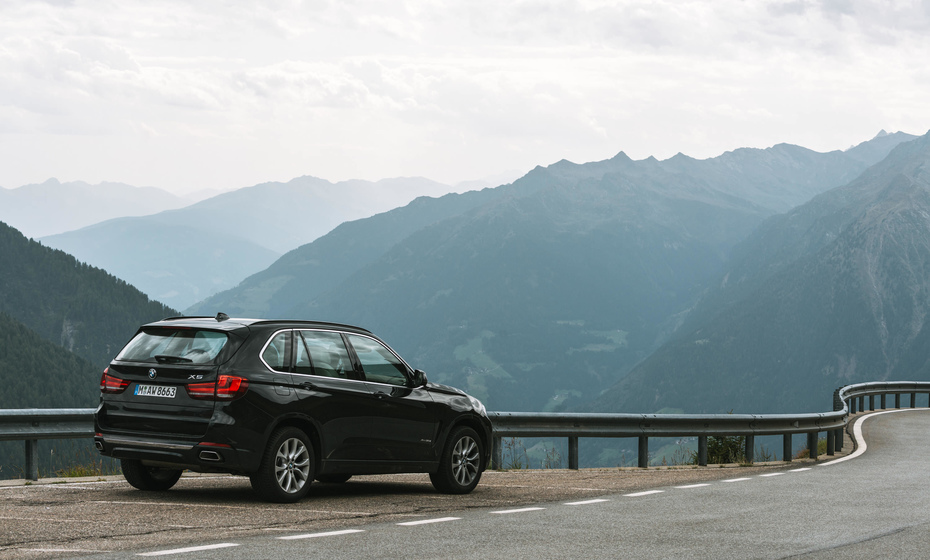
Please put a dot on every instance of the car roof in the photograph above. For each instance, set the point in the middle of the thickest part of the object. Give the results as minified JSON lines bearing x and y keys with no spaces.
{"x":221,"y":322}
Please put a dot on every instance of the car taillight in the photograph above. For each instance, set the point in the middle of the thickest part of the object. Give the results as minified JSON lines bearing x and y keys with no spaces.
{"x":230,"y":387}
{"x":110,"y":384}
{"x":226,"y":388}
{"x":201,"y":390}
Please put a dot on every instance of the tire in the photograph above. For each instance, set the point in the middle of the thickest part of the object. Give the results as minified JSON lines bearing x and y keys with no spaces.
{"x":334,"y":478}
{"x":148,"y":478}
{"x":287,"y":467}
{"x":461,"y":463}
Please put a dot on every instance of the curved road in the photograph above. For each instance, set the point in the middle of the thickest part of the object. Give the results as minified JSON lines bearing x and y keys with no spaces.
{"x":866,"y":506}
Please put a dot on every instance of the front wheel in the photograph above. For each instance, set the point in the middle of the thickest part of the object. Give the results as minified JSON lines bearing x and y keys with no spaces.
{"x":148,"y":478}
{"x":461,"y":463}
{"x":286,"y":470}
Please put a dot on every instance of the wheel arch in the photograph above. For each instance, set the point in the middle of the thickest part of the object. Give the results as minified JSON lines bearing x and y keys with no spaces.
{"x":483,"y":430}
{"x":307,"y":426}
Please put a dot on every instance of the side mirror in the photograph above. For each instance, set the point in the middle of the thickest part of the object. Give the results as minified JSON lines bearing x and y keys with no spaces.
{"x":419,"y":378}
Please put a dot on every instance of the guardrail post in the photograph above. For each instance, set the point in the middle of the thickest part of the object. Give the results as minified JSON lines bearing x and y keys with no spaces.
{"x":852,"y":406}
{"x":839,"y":439}
{"x":897,"y":400}
{"x":32,"y":460}
{"x":883,"y":401}
{"x":750,"y":450}
{"x":812,"y":445}
{"x":786,"y":450}
{"x":643,"y":456}
{"x":871,"y":402}
{"x":702,"y":451}
{"x":913,"y":400}
{"x":573,"y":453}
{"x":497,"y":453}
{"x":831,"y":442}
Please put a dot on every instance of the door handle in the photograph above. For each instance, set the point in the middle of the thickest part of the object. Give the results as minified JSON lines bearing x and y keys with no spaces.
{"x":308,"y":386}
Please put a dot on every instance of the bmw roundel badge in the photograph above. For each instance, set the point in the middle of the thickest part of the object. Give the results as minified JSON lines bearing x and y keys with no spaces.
{"x":152,"y":373}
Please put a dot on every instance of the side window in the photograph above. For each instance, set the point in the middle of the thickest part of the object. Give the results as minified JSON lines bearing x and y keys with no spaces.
{"x":327,"y":354}
{"x":277,"y":354}
{"x":379,"y":364}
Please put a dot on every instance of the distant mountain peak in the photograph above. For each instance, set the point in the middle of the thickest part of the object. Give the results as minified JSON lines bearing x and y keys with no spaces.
{"x":621,"y":157}
{"x":881,"y":134}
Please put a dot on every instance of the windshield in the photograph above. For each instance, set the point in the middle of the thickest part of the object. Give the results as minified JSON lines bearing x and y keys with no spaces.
{"x":174,"y":346}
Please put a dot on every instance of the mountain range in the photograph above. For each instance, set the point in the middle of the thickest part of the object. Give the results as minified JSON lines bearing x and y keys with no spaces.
{"x":616,"y":285}
{"x":181,"y":256}
{"x":54,"y":207}
{"x":836,"y":291}
{"x":541,"y":294}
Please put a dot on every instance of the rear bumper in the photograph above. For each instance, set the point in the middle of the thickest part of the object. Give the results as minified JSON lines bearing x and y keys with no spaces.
{"x":196,"y":456}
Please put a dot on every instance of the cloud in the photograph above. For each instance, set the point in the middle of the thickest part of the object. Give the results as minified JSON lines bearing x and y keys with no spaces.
{"x":239,"y":92}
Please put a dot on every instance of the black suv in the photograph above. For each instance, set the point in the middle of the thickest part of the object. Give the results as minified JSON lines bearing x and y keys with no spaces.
{"x":283,"y":402}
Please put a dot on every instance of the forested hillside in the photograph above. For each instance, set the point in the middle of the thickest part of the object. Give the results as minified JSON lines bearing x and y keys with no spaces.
{"x":78,"y":307}
{"x":36,"y":373}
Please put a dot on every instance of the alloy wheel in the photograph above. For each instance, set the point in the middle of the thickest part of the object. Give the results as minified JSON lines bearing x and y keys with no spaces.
{"x":292,"y":465}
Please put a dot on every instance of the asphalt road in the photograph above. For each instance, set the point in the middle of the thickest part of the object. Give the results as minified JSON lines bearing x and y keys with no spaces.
{"x":870,"y":506}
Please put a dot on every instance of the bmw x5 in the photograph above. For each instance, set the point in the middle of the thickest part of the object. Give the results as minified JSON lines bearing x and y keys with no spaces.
{"x":284,"y":403}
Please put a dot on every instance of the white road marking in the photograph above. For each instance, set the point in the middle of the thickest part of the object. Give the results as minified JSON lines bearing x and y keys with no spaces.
{"x":428,"y":521}
{"x":771,"y":474}
{"x":647,"y":493}
{"x":586,"y":502}
{"x":736,"y":480}
{"x":800,"y":470}
{"x":316,"y":535}
{"x":521,"y":510}
{"x":703,"y":484}
{"x":857,"y":434}
{"x":189,"y":549}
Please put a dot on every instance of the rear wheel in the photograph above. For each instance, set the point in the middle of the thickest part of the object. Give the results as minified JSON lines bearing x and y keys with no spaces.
{"x":286,"y":470}
{"x":148,"y":478}
{"x":461,"y":463}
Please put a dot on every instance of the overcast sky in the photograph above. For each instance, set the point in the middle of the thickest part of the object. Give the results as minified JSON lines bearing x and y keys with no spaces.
{"x":191,"y":95}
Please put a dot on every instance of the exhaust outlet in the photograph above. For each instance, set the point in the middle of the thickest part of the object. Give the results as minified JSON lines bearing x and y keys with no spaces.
{"x":213,"y":456}
{"x":99,"y":445}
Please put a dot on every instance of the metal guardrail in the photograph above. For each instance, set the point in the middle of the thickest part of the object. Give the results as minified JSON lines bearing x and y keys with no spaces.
{"x":846,"y":400}
{"x":31,"y":425}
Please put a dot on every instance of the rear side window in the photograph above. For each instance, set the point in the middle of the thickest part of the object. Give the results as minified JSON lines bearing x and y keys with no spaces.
{"x":277,"y":354}
{"x":379,"y":364}
{"x":174,"y":346}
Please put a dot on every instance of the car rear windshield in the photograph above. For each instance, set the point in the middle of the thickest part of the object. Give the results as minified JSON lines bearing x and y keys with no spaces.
{"x":174,"y":346}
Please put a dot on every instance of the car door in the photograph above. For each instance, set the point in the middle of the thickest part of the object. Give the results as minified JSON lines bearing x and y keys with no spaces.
{"x":332,"y":393}
{"x":405,"y":425}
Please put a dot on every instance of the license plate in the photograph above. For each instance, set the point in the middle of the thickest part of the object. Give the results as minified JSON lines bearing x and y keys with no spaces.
{"x":155,"y":391}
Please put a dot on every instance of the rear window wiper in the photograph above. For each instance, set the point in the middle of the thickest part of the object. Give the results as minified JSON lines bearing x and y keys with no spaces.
{"x":164,"y":359}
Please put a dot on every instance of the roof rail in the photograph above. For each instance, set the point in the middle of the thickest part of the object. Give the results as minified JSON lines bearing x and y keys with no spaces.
{"x":313,"y":323}
{"x":182,"y":317}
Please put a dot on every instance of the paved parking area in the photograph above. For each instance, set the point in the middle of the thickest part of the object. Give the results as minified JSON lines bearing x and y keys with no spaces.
{"x":57,"y":519}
